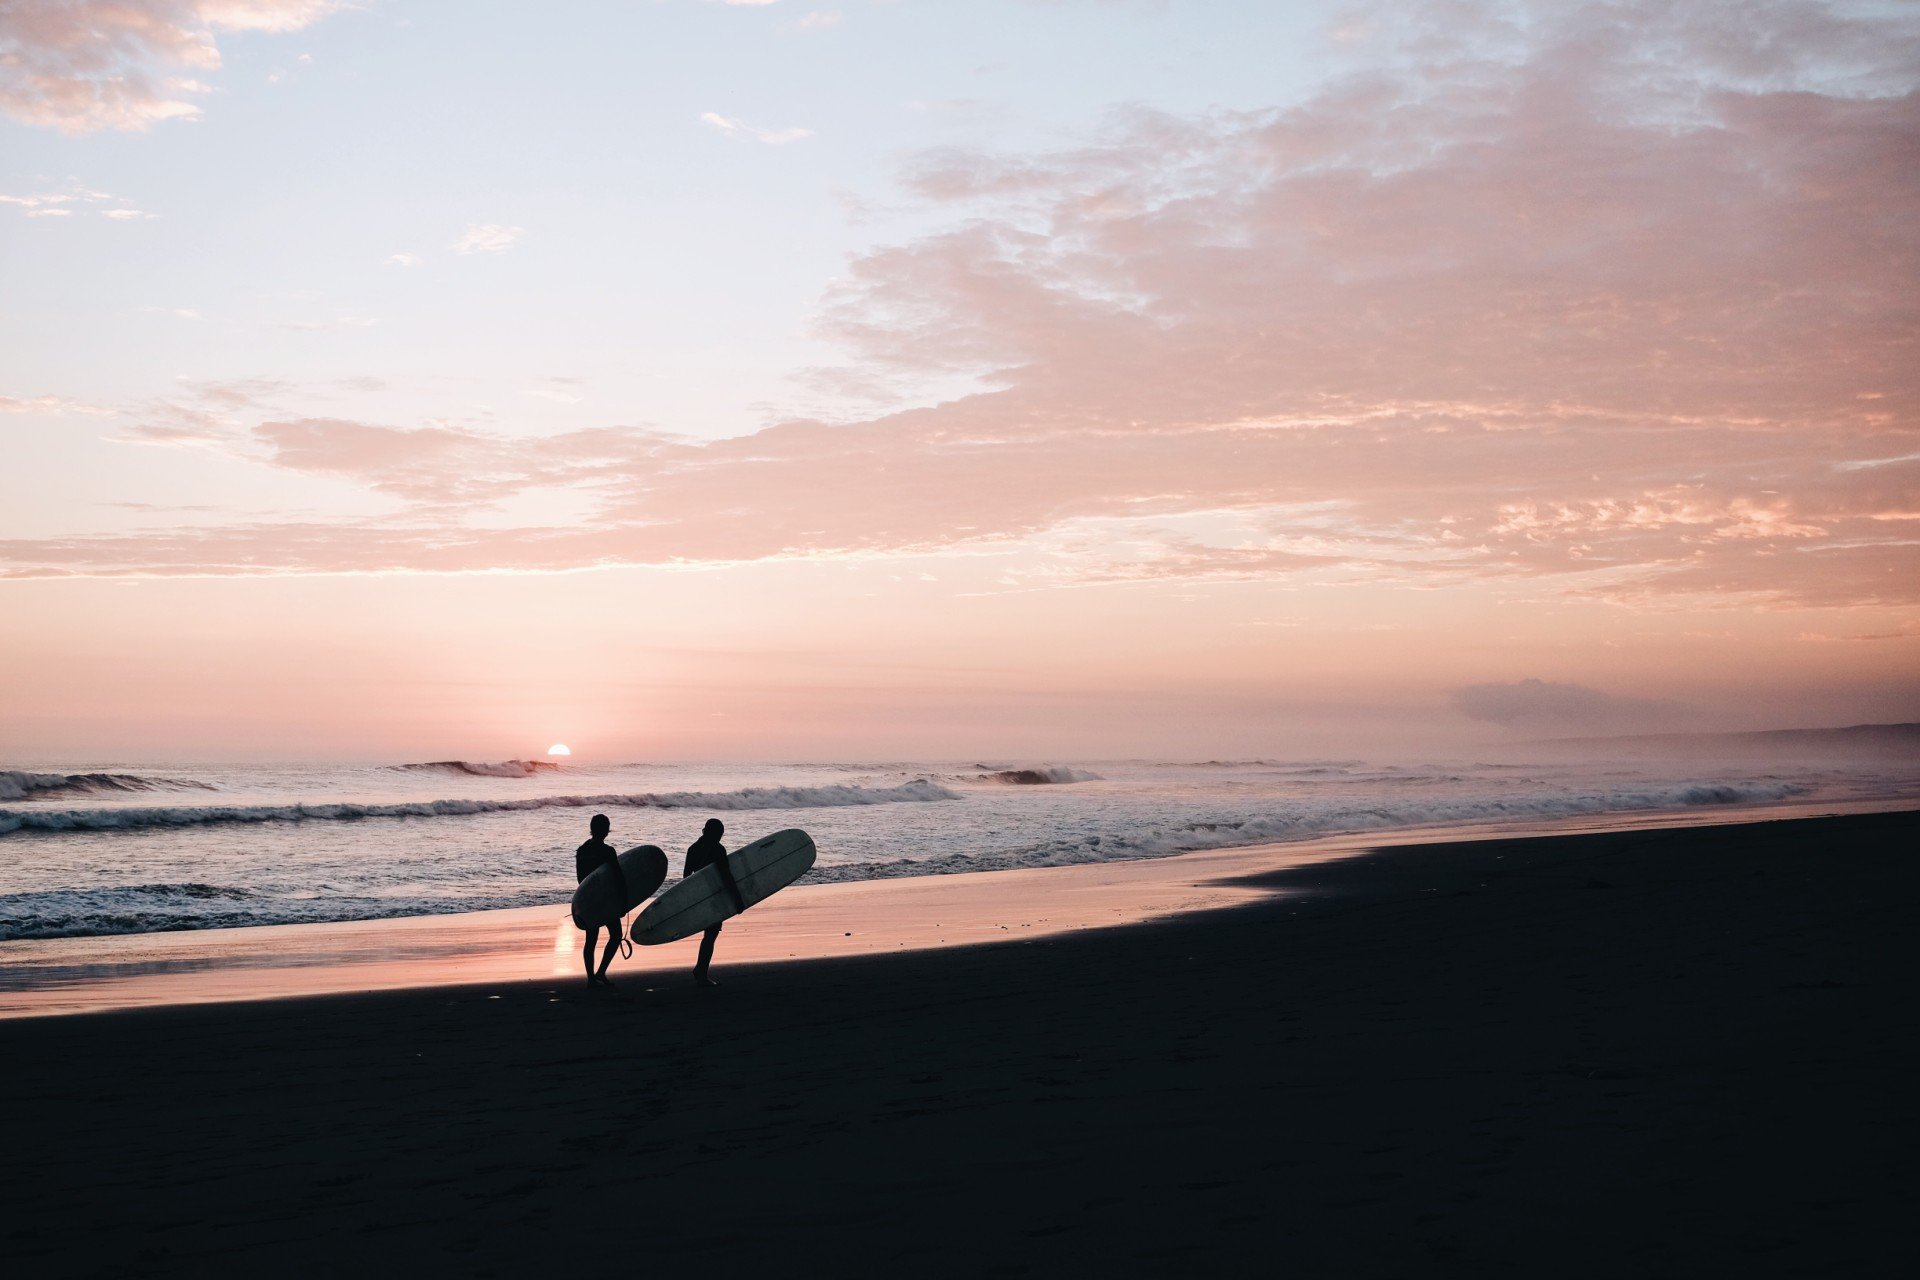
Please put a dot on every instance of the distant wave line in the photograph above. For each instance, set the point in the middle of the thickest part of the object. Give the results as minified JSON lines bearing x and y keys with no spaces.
{"x":12,"y":820}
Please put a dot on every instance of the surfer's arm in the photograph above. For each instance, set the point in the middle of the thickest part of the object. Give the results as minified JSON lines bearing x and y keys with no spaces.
{"x":733,"y":887}
{"x":620,"y":878}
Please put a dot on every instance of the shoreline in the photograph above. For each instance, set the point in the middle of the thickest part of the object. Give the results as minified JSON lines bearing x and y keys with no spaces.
{"x":1673,"y":1050}
{"x":73,"y":976}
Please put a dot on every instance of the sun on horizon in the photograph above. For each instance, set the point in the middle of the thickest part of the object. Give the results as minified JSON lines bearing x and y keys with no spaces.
{"x":559,"y":749}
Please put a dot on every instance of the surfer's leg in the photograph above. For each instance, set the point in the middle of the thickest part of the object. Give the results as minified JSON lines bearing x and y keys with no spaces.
{"x":613,"y":945}
{"x":593,"y":936}
{"x":706,"y":958}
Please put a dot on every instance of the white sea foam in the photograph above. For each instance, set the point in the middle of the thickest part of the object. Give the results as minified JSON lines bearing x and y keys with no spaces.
{"x":1306,"y":823}
{"x":171,"y":908}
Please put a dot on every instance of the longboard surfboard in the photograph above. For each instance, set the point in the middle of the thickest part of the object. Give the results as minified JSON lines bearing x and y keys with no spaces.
{"x":598,"y":902}
{"x":761,"y":869}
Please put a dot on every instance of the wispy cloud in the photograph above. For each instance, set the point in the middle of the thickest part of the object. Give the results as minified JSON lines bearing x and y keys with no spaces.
{"x":86,"y":65}
{"x":559,"y":390}
{"x":211,"y":414}
{"x":741,"y":129}
{"x":280,"y":75}
{"x":43,"y":199}
{"x":1863,"y":464}
{"x":61,"y":204}
{"x":821,"y":20}
{"x":403,"y":260}
{"x":50,"y":405}
{"x":485,"y":237}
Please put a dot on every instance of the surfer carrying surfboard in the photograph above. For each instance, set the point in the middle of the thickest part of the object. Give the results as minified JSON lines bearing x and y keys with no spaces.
{"x":707,"y":851}
{"x":587,"y":859}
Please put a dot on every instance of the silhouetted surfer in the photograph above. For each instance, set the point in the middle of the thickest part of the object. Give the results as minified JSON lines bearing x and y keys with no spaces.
{"x":587,"y":859}
{"x":708,"y":851}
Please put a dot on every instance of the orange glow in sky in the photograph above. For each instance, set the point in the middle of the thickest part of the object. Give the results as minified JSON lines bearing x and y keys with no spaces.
{"x":1358,"y":388}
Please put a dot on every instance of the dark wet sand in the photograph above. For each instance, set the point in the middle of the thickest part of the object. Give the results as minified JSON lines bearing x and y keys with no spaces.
{"x":1673,"y":1053}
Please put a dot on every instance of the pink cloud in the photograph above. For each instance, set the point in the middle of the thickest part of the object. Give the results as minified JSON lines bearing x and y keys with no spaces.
{"x":1618,"y":306}
{"x":86,"y":65}
{"x":52,"y":406}
{"x":449,"y":465}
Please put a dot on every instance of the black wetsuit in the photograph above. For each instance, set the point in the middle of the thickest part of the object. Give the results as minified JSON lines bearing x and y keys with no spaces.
{"x":702,"y":853}
{"x":593,"y":855}
{"x":587,"y":859}
{"x":708,"y":852}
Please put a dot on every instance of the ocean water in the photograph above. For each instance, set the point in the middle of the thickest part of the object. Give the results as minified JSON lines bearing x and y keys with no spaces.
{"x":125,"y":848}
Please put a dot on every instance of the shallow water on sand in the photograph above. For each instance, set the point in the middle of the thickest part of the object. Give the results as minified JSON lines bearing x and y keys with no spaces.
{"x":113,"y":848}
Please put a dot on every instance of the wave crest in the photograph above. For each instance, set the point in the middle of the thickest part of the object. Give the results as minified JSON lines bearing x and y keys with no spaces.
{"x":1041,"y":775}
{"x":476,"y":769}
{"x":748,"y":798}
{"x":18,"y":784}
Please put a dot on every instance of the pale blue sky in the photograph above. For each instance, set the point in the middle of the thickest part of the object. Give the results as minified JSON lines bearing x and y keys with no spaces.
{"x":674,"y":268}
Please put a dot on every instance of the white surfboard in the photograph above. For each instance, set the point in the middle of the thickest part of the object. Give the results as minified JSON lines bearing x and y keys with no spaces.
{"x":761,"y":869}
{"x":598,"y":902}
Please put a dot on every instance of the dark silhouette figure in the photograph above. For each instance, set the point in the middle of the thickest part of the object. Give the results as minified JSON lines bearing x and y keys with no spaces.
{"x":704,"y":852}
{"x":587,"y":859}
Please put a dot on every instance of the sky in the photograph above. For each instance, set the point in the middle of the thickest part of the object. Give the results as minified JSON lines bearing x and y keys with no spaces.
{"x":1030,"y":379}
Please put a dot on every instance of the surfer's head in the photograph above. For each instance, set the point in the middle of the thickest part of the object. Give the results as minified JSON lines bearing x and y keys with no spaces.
{"x":600,"y":825}
{"x":715,"y":828}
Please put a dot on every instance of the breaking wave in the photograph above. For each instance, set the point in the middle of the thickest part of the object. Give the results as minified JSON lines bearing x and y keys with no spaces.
{"x":1041,"y":776}
{"x":748,"y":798}
{"x":502,"y":769}
{"x":139,"y":908}
{"x":17,"y":784}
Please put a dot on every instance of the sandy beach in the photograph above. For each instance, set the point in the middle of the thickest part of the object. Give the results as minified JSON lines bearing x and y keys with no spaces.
{"x":1677,"y":1051}
{"x":810,"y":921}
